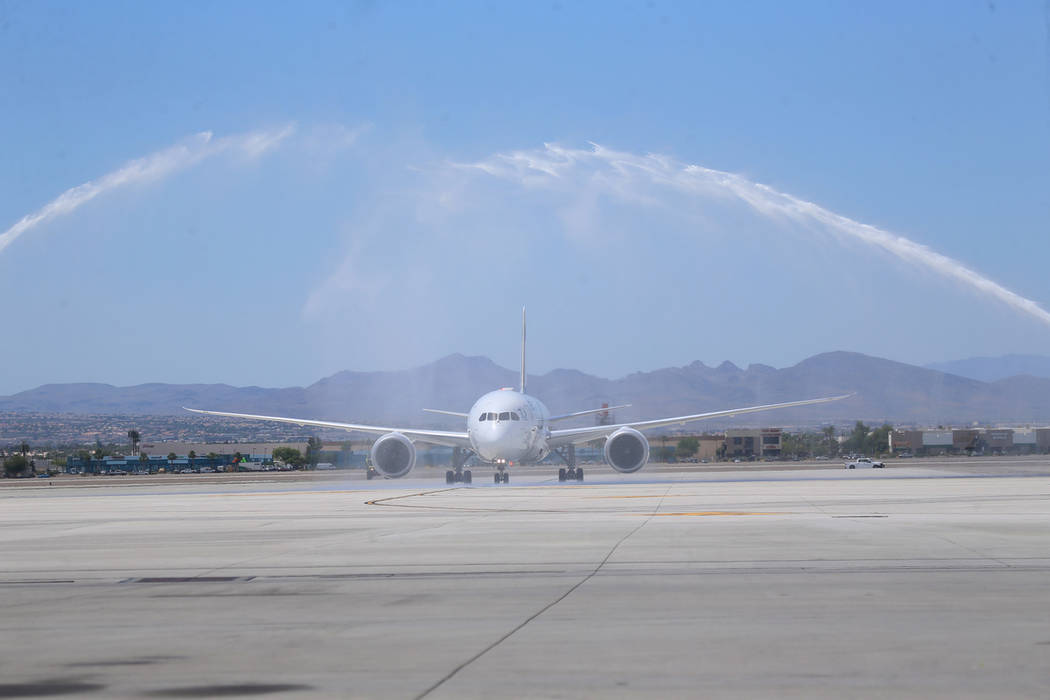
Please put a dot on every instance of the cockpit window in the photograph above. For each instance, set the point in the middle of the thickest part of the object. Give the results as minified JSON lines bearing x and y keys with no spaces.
{"x":514,"y":416}
{"x":504,"y":416}
{"x":482,"y":417}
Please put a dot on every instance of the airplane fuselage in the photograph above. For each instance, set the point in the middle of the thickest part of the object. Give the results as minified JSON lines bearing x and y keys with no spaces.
{"x":509,"y":426}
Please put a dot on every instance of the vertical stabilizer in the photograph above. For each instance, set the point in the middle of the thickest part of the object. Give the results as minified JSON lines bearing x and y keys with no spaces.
{"x":523,"y":349}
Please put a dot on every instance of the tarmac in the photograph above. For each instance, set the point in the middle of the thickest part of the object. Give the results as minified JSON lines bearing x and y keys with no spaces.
{"x":926,"y":579}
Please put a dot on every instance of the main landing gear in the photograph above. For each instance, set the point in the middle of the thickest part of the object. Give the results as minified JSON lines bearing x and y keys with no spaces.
{"x":459,"y":475}
{"x":570,"y":472}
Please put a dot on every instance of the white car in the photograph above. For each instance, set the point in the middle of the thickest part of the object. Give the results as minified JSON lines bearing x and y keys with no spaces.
{"x":864,"y":463}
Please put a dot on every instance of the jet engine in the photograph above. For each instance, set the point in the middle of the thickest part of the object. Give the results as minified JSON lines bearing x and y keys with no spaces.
{"x":393,"y":455}
{"x":626,"y":450}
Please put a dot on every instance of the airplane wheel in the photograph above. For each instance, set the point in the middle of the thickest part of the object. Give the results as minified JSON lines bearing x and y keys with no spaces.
{"x":450,"y":477}
{"x":495,"y":478}
{"x":468,"y":478}
{"x":369,"y":475}
{"x":561,"y":474}
{"x":506,"y":478}
{"x":579,"y":475}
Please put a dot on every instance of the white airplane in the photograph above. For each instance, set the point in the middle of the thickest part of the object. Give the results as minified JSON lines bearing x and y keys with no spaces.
{"x":507,"y":427}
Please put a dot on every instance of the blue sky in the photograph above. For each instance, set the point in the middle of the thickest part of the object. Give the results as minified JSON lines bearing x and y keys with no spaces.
{"x":372,"y":194}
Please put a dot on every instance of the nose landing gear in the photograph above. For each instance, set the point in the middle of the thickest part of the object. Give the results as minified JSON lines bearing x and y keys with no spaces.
{"x":502,"y":476}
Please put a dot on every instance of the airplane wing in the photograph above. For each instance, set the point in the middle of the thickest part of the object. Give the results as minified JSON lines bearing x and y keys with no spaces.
{"x":575,"y":436}
{"x":434,"y":437}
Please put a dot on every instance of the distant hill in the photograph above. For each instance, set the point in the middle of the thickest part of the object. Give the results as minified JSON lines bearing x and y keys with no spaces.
{"x":886,"y":391}
{"x":991,"y":369}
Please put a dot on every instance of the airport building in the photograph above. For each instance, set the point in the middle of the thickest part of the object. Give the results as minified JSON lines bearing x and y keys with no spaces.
{"x":711,"y":446}
{"x":971,"y":441}
{"x":152,"y":464}
{"x":152,"y":457}
{"x":254,"y":450}
{"x":757,"y":443}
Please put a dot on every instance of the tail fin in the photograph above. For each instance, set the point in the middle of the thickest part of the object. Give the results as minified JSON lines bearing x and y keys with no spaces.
{"x":523,"y":349}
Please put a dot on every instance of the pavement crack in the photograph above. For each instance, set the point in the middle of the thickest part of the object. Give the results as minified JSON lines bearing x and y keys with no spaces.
{"x":451,"y":674}
{"x":971,"y":550}
{"x":386,"y":501}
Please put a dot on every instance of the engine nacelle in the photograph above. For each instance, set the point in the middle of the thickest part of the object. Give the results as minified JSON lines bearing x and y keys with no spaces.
{"x":393,"y":455}
{"x":626,"y":450}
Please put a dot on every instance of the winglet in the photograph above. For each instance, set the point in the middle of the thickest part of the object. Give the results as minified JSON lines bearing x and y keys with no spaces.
{"x":523,"y":349}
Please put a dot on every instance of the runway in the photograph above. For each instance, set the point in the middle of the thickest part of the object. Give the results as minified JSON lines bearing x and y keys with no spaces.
{"x":923,"y":580}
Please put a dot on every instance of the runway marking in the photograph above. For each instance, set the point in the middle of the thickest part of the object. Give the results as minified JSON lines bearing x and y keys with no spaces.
{"x":188,"y":579}
{"x":35,"y":582}
{"x":860,"y":516}
{"x":677,"y":495}
{"x":282,"y":493}
{"x":710,"y":512}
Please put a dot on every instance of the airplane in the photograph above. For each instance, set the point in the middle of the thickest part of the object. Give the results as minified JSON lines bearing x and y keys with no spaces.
{"x":507,"y":427}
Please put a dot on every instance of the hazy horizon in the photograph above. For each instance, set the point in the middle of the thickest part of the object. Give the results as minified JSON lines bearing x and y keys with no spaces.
{"x":543,"y":372}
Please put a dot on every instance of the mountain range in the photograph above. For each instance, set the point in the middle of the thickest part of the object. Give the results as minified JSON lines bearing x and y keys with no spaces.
{"x":885,"y":391}
{"x":991,"y":369}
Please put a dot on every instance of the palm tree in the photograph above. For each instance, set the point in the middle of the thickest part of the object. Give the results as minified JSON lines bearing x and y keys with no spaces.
{"x":134,"y":438}
{"x":829,"y":438}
